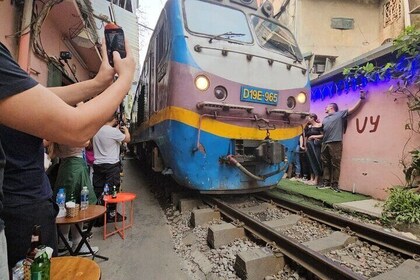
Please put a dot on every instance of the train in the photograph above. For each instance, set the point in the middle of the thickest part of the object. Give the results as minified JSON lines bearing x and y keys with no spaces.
{"x":222,"y":96}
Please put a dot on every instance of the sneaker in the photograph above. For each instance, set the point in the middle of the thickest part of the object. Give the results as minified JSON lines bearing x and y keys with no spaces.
{"x":336,"y":189}
{"x":111,"y":218}
{"x":89,"y":234}
{"x":84,"y":251}
{"x":324,"y":186}
{"x":293,"y":179}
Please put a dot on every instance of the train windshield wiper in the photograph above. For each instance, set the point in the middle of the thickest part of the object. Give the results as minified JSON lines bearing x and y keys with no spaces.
{"x":229,"y":35}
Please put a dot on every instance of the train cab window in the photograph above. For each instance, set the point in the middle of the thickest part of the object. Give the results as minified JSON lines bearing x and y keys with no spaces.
{"x":275,"y":37}
{"x":216,"y":21}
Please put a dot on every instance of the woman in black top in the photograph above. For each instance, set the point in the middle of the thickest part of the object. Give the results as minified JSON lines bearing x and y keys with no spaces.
{"x":314,"y":136}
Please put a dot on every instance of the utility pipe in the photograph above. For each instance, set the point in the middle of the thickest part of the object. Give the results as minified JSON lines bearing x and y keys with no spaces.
{"x":25,"y":37}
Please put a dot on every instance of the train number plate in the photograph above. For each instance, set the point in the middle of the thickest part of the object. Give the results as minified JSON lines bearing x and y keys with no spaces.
{"x":259,"y":95}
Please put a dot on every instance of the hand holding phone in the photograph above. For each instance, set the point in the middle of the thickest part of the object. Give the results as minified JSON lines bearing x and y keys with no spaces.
{"x":114,"y":39}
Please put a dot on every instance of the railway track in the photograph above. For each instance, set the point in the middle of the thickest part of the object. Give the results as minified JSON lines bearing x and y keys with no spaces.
{"x":317,"y":263}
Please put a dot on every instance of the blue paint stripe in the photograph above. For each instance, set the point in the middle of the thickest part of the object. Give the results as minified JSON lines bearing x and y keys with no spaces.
{"x":180,"y":51}
{"x":203,"y":171}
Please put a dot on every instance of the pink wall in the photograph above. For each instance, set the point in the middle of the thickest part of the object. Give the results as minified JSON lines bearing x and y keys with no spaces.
{"x":371,"y":156}
{"x":51,"y":40}
{"x":8,"y":26}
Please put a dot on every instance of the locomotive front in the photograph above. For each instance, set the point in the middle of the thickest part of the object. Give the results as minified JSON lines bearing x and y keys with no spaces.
{"x":238,"y":96}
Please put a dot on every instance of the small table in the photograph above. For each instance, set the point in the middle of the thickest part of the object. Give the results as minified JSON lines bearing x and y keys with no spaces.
{"x":88,"y":215}
{"x":122,"y":198}
{"x":74,"y":268}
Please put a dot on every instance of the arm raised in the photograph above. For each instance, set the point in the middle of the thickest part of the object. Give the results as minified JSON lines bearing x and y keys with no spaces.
{"x":40,"y":112}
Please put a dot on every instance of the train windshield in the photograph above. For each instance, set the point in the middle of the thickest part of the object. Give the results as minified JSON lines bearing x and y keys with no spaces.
{"x":275,"y":37}
{"x":217,"y":22}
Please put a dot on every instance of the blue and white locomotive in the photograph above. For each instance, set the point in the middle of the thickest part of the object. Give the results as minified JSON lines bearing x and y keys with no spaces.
{"x":222,"y":96}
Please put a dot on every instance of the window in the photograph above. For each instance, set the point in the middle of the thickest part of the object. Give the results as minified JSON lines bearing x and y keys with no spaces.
{"x":275,"y":37}
{"x":392,"y":11}
{"x":217,"y":22}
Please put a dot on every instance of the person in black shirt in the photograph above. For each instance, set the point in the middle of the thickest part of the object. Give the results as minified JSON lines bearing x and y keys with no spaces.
{"x":46,"y":113}
{"x":313,"y":142}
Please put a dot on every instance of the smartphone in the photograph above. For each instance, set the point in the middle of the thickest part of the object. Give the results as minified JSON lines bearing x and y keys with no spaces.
{"x":114,"y":39}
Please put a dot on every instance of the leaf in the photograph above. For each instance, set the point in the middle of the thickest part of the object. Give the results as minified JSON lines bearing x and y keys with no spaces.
{"x":346,"y":71}
{"x":369,"y":67}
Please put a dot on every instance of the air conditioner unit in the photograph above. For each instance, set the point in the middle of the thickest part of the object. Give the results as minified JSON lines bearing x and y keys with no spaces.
{"x":319,"y":68}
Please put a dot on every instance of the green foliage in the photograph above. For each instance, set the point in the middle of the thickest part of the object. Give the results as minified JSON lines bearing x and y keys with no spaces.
{"x":402,"y":207}
{"x":407,"y":69}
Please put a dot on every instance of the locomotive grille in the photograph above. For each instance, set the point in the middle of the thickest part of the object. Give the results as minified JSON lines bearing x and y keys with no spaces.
{"x":245,"y":150}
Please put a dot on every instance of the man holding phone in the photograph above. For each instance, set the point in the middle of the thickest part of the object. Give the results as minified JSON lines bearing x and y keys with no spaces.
{"x":46,"y":113}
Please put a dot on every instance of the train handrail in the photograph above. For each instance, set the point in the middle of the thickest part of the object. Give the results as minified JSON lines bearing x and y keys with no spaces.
{"x":286,"y":113}
{"x":249,"y":56}
{"x":223,"y":106}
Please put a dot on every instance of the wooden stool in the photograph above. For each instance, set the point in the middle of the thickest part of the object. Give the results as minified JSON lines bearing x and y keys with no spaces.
{"x":122,"y":198}
{"x":74,"y":268}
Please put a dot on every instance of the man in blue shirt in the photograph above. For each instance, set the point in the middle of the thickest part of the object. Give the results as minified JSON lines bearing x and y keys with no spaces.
{"x":333,"y":127}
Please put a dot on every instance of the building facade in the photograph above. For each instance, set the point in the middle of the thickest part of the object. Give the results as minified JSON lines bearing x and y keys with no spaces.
{"x":332,"y":32}
{"x":58,"y":42}
{"x":339,"y":34}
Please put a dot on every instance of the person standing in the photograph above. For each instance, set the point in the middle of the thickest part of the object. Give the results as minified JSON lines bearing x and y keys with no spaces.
{"x":73,"y":175}
{"x":313,"y":136}
{"x":333,"y":127}
{"x":32,"y":112}
{"x":107,"y":165}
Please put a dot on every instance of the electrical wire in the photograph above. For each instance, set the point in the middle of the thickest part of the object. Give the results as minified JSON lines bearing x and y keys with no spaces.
{"x":37,"y":46}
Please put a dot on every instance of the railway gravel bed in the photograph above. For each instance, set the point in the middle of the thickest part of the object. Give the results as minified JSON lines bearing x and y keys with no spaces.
{"x":203,"y":262}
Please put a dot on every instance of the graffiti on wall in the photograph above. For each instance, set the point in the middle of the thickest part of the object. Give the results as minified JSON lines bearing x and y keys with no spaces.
{"x":362,"y":125}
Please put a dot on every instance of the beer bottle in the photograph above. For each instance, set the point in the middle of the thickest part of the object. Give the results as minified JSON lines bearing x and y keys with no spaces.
{"x":35,"y":242}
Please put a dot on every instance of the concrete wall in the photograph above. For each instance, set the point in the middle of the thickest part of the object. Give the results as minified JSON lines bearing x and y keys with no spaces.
{"x":315,"y":34}
{"x":375,"y":142}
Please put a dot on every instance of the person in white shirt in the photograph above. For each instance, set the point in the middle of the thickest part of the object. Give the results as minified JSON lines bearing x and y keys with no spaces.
{"x":107,"y":166}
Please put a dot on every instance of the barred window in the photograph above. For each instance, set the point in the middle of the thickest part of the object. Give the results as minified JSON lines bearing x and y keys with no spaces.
{"x":392,"y":11}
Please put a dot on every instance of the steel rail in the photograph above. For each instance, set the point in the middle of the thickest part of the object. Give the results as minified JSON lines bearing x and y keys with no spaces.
{"x":312,"y":261}
{"x":402,"y":245}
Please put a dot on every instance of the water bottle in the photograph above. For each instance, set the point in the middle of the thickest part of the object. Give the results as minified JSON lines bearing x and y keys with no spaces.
{"x":106,"y":189}
{"x":61,"y":200}
{"x":84,"y":198}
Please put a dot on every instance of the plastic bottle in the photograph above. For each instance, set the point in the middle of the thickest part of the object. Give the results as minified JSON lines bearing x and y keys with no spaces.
{"x":106,"y":189}
{"x":84,"y":198}
{"x":61,"y":200}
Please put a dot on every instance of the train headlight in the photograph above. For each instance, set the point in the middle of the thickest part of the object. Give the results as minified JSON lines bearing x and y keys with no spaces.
{"x":291,"y":102}
{"x":301,"y":97}
{"x":220,"y":92}
{"x":202,"y":82}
